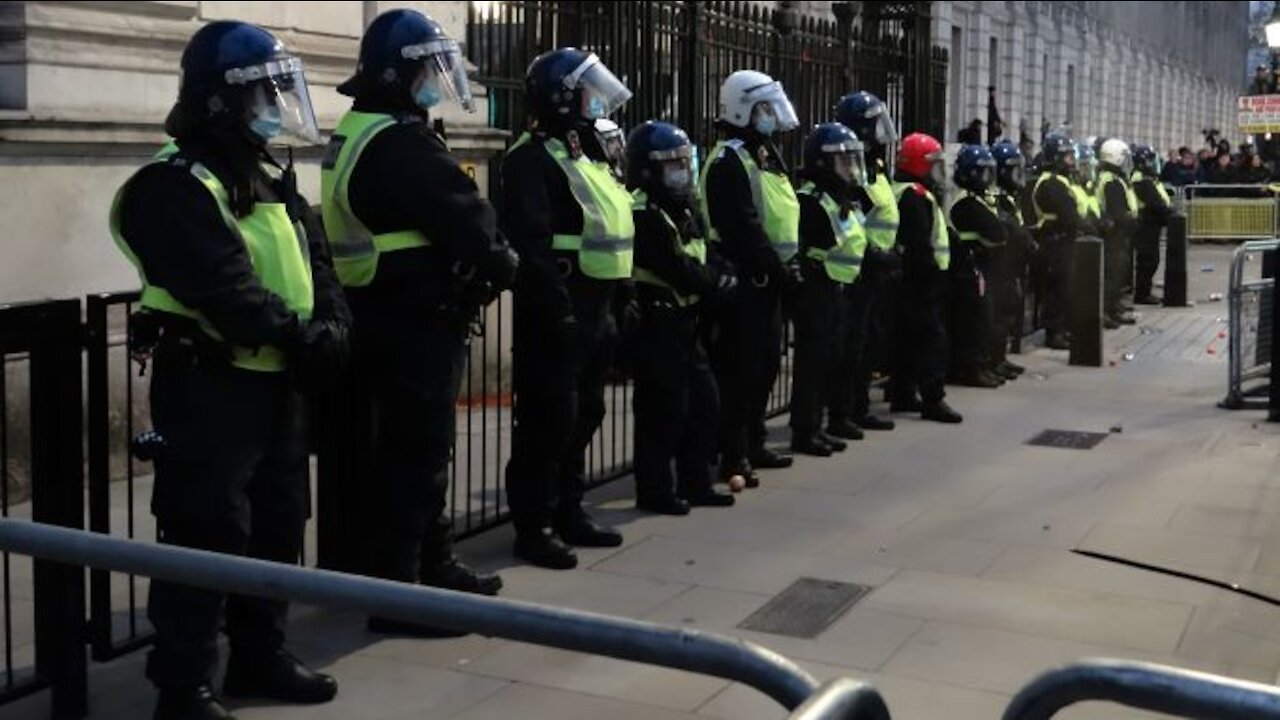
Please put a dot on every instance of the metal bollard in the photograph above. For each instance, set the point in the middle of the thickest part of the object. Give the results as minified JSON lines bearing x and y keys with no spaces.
{"x":1086,"y":302}
{"x":1175,"y":262}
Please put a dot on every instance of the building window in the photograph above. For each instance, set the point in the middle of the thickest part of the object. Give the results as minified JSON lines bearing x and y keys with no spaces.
{"x":993,"y":67}
{"x":957,"y":83}
{"x":1071,"y":93}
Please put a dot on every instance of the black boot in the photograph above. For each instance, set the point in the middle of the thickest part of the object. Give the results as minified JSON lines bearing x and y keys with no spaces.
{"x":872,"y":422}
{"x":663,"y":505}
{"x":453,"y":574}
{"x":810,"y":444}
{"x":1057,"y":341}
{"x":1004,"y":373}
{"x":975,"y":378}
{"x":276,"y":675}
{"x":576,"y":527}
{"x":1148,"y":298}
{"x":769,"y":460}
{"x":1012,"y":367}
{"x":941,"y":412}
{"x":198,"y":703}
{"x":542,"y":548}
{"x":835,"y":444}
{"x":844,"y":429}
{"x":905,"y":405}
{"x":707,"y":497}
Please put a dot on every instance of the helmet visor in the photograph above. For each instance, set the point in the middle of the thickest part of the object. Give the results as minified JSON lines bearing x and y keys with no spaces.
{"x":602,"y":92}
{"x":937,"y":168}
{"x":886,"y":130}
{"x":277,"y":105}
{"x":609,"y":136}
{"x":1014,"y":174}
{"x":444,"y":71}
{"x":778,"y":102}
{"x":849,"y":166}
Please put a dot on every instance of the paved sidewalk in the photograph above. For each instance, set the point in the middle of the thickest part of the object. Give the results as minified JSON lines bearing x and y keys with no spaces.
{"x":964,"y":532}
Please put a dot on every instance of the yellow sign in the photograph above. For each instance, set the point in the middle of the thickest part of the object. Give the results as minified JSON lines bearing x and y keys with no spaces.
{"x":1258,"y":113}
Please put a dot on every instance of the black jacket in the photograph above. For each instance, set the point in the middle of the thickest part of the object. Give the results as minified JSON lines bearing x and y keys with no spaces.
{"x":969,"y":214}
{"x":733,"y":212}
{"x":1056,"y":198}
{"x":658,"y":250}
{"x":915,"y":232}
{"x":176,"y":230}
{"x":406,"y":179}
{"x":1155,"y":211}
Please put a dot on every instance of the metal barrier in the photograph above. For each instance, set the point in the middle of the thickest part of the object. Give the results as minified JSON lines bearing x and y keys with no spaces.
{"x":1230,"y":212}
{"x":109,"y":426}
{"x":1249,"y":328}
{"x":44,"y":338}
{"x":1158,"y":688}
{"x":625,"y":639}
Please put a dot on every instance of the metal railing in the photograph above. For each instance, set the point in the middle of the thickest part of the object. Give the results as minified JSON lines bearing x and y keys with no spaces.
{"x":1249,"y":327}
{"x":1230,"y":212}
{"x":673,"y":647}
{"x":1157,"y":688}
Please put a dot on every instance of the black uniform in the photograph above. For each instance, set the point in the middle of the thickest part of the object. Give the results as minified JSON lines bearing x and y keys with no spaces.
{"x":1009,"y":265}
{"x":564,"y":335}
{"x":1119,"y":225}
{"x":921,"y":355}
{"x":1152,"y":218}
{"x":234,"y":476}
{"x":972,"y":265}
{"x":817,"y":318}
{"x":411,"y":331}
{"x":1056,"y":237}
{"x":676,"y":400}
{"x":746,"y":352}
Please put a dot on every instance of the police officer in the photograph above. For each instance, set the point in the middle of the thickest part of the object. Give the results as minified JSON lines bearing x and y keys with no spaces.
{"x":981,"y":233}
{"x":753,"y":217}
{"x":832,"y":247}
{"x":1011,"y":261}
{"x":676,"y":400}
{"x":571,"y":223}
{"x":1119,"y":209}
{"x":867,"y":316}
{"x":920,"y":361}
{"x":1154,"y":212}
{"x":1061,"y":218}
{"x":237,"y":280}
{"x":419,"y":253}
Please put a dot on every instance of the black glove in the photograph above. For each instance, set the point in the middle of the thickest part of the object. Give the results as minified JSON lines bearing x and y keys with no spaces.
{"x":320,"y":354}
{"x":792,"y":273}
{"x":725,"y":284}
{"x":501,"y":269}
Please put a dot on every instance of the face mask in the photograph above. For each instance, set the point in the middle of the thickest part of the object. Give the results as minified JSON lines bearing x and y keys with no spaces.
{"x":426,"y":97}
{"x":266,"y":125}
{"x":677,"y":181}
{"x":594,"y":107}
{"x":766,"y":125}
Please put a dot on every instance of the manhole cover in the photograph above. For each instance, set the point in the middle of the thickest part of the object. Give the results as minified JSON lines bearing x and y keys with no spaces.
{"x":806,"y":608}
{"x":1068,"y":439}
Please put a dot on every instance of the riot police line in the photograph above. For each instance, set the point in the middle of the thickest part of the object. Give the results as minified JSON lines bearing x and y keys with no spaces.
{"x":252,"y":300}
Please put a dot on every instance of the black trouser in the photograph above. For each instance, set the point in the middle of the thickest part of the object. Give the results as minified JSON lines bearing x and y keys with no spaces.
{"x":745,"y":356}
{"x":849,"y":380}
{"x":411,"y":362}
{"x":920,"y":348}
{"x":971,"y":321}
{"x":234,"y":479}
{"x":1054,"y":274}
{"x":817,"y":316}
{"x":676,"y":402}
{"x":1114,"y":270}
{"x":1004,"y":285}
{"x":1146,"y":241}
{"x":558,"y":377}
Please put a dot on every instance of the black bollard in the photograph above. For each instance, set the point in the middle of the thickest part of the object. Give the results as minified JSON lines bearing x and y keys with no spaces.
{"x":1175,"y":262}
{"x":1086,"y":302}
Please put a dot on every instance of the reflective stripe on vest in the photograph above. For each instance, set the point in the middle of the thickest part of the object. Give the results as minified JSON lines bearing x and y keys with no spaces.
{"x":1139,"y":177}
{"x":277,"y":249}
{"x":843,"y":261}
{"x":355,"y":249}
{"x":987,"y":202}
{"x":1100,"y":196}
{"x":771,"y":193}
{"x":1044,"y":216}
{"x":882,"y":219}
{"x":695,"y":248}
{"x":606,"y":246}
{"x":939,"y":240}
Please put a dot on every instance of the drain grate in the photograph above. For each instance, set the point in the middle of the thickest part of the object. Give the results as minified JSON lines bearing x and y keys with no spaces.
{"x":806,"y":608}
{"x":1068,"y":439}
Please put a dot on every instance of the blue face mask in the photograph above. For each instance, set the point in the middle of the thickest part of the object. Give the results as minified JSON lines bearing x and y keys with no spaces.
{"x":426,"y":97}
{"x":266,"y":126}
{"x":766,"y":125}
{"x":595,"y":107}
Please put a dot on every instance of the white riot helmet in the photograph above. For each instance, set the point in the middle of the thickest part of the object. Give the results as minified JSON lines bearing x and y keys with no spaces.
{"x":744,"y":90}
{"x":1115,"y":152}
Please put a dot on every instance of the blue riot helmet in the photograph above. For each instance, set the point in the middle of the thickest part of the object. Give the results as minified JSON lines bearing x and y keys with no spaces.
{"x":1059,"y":153}
{"x":569,"y":88}
{"x":866,"y":115}
{"x":411,"y":53}
{"x":1010,"y":166}
{"x":660,"y":161}
{"x":236,"y":76}
{"x":834,"y":151}
{"x":975,"y":168}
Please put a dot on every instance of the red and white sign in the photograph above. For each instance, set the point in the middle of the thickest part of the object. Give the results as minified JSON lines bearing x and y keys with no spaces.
{"x":1258,"y":113}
